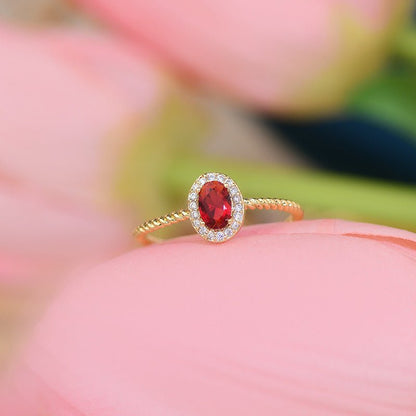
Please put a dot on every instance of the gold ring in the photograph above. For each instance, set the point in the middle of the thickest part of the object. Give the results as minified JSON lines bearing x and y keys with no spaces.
{"x":216,"y":209}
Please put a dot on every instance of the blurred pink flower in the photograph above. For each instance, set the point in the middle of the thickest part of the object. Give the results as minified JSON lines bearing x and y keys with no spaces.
{"x":69,"y":102}
{"x":311,"y":318}
{"x":299,"y":57}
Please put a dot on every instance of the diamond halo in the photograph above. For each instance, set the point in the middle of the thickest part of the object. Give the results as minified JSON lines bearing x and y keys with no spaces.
{"x":237,"y":208}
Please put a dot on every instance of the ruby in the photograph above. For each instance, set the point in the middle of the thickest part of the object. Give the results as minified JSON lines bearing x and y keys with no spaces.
{"x":215,"y":205}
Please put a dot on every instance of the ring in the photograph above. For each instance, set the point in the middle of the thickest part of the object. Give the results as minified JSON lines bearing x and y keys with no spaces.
{"x":216,"y":209}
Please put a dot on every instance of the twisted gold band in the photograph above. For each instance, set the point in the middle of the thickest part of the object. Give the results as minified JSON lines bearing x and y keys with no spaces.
{"x":143,"y":230}
{"x":292,"y":208}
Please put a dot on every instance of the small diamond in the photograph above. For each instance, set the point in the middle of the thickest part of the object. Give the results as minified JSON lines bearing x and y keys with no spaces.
{"x":239,"y":207}
{"x":196,"y":223}
{"x":192,"y":196}
{"x":221,"y":178}
{"x":236,"y":198}
{"x":211,"y":176}
{"x":211,"y":235}
{"x":234,"y":190}
{"x":203,"y":230}
{"x":235,"y":225}
{"x":195,"y":214}
{"x":201,"y":181}
{"x":239,"y":216}
{"x":228,"y":232}
{"x":193,"y":205}
{"x":220,"y":236}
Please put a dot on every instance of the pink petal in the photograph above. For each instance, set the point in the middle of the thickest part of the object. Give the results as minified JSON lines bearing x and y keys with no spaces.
{"x":314,"y":318}
{"x":57,"y":123}
{"x":69,"y":104}
{"x":281,"y":55}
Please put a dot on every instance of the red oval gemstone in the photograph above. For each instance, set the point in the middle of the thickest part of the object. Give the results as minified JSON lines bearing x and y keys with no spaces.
{"x":215,"y":205}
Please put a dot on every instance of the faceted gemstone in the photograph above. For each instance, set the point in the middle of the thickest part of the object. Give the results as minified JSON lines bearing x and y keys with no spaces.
{"x":215,"y":205}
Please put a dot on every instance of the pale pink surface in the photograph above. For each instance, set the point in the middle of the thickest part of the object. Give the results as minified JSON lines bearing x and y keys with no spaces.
{"x":268,"y":53}
{"x":69,"y":102}
{"x":310,"y":318}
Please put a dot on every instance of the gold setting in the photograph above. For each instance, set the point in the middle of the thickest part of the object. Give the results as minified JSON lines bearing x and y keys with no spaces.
{"x":238,"y":207}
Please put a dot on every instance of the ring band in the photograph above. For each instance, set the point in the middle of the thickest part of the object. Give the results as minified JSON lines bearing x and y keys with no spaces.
{"x":216,"y":209}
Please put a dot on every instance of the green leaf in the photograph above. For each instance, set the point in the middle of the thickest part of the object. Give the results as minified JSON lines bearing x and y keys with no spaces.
{"x":390,"y":99}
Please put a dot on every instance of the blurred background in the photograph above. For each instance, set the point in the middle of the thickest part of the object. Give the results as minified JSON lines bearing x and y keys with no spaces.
{"x":110,"y":110}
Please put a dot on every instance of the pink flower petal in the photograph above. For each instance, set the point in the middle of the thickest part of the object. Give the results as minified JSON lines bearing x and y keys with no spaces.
{"x":69,"y":104}
{"x":291,"y":56}
{"x":314,"y":318}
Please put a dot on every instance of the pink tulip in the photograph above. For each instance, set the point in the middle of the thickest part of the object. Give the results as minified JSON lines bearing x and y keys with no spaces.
{"x":299,"y":57}
{"x":311,"y":318}
{"x":69,"y":104}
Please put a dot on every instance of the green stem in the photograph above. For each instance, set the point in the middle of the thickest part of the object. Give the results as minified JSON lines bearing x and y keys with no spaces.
{"x":321,"y":194}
